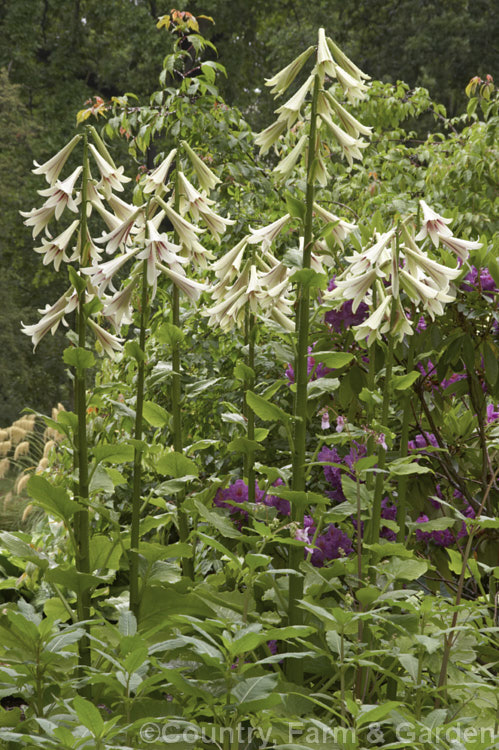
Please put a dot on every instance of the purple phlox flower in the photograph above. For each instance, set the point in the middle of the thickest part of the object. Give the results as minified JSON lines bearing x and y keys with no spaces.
{"x":273,"y":501}
{"x":492,"y":413}
{"x":442,"y":538}
{"x":389,"y":512}
{"x":272,"y":647}
{"x":483,"y":281}
{"x":343,"y":318}
{"x":231,"y":497}
{"x":331,"y":545}
{"x":357,"y":450}
{"x":332,"y":473}
{"x":421,"y":325}
{"x":422,"y":441}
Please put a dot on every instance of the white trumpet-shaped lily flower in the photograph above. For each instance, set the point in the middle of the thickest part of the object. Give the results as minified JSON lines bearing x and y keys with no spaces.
{"x":110,"y":343}
{"x":112,"y":178}
{"x":460,"y":247}
{"x":60,"y":194}
{"x":156,"y":179}
{"x":282,"y":80}
{"x":433,"y":225}
{"x":266,"y":235}
{"x":289,"y":111}
{"x":207,"y":179}
{"x":268,"y":137}
{"x":52,"y":168}
{"x":54,"y":251}
{"x":349,"y":145}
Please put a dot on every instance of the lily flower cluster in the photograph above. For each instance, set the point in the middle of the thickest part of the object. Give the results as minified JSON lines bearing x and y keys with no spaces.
{"x":395,"y":273}
{"x":134,"y":234}
{"x":61,"y":195}
{"x":259,"y":282}
{"x":333,"y":65}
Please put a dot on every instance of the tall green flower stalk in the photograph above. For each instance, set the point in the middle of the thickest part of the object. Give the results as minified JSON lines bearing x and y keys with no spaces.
{"x":82,"y":517}
{"x":314,"y":132}
{"x":138,"y":451}
{"x":301,"y":373}
{"x":80,"y":199}
{"x":251,"y":331}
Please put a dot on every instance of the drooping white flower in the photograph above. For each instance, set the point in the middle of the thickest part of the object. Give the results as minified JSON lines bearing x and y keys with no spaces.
{"x":460,"y":247}
{"x":289,"y":111}
{"x":282,"y":80}
{"x":39,"y":218}
{"x":60,"y":194}
{"x":216,"y":224}
{"x":118,"y":307}
{"x":376,"y":255}
{"x":349,"y":145}
{"x":190,"y":198}
{"x":199,"y":255}
{"x":345,"y":62}
{"x":286,"y":166}
{"x":377,"y":323}
{"x":192,"y":289}
{"x":348,"y":122}
{"x":229,"y":264}
{"x":156,"y":179}
{"x":433,"y":225}
{"x":325,"y":62}
{"x":52,"y":315}
{"x":207,"y":179}
{"x":340,"y":229}
{"x":268,"y":137}
{"x":186,"y":231}
{"x":352,"y":288}
{"x":54,"y":251}
{"x":119,"y":235}
{"x":102,"y":274}
{"x":158,"y":249}
{"x":354,"y":89}
{"x":111,"y":178}
{"x":52,"y":168}
{"x":266,"y":235}
{"x":441,"y":275}
{"x":110,"y":343}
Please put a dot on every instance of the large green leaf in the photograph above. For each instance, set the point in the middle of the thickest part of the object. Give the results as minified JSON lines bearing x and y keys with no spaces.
{"x":254,"y":689}
{"x":265,"y":410}
{"x":118,"y":453}
{"x":54,"y":500}
{"x":155,"y":414}
{"x":176,"y":465}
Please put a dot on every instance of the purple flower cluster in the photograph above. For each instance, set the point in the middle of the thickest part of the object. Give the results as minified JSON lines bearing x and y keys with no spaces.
{"x":423,"y":441}
{"x":236,"y":494}
{"x":317,"y":370}
{"x":482,"y":282}
{"x":343,"y":318}
{"x":444,"y":537}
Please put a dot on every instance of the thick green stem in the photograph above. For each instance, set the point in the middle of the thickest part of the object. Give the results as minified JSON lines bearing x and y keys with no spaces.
{"x":301,"y":380}
{"x":380,"y":477}
{"x":81,"y":517}
{"x":404,"y":443}
{"x":250,"y":413}
{"x":183,"y":520}
{"x":137,"y":459}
